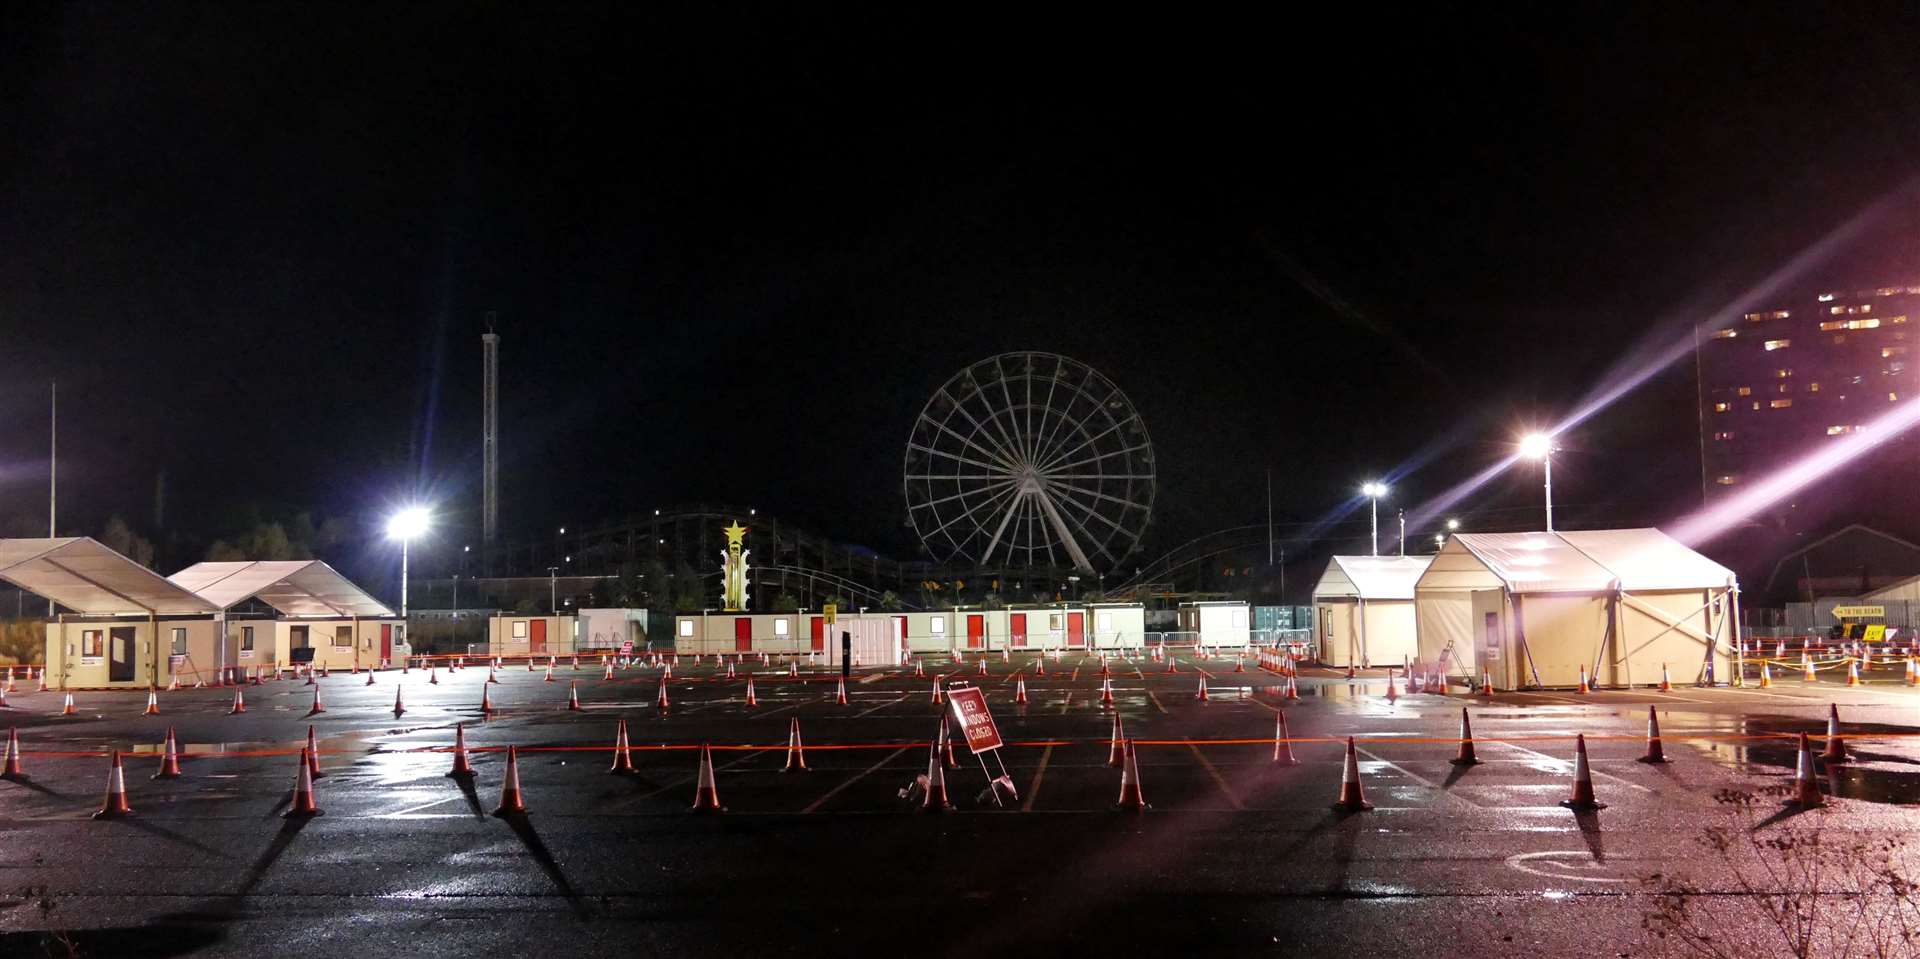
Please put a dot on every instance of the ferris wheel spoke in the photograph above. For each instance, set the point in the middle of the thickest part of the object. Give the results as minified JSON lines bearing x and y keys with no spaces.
{"x":998,"y":477}
{"x":1095,"y":438}
{"x":1080,"y":427}
{"x":997,"y":468}
{"x":1099,"y":476}
{"x":964,"y":515}
{"x":1000,"y":530}
{"x":1012,"y":413}
{"x":1097,"y":457}
{"x":977,"y":490}
{"x":1107,"y":497}
{"x":999,"y":452}
{"x":1067,"y":540}
{"x":1092,"y":510}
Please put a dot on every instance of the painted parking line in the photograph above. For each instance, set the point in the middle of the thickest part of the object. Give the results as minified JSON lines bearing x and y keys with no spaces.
{"x":1568,"y":764}
{"x":1156,"y":701}
{"x":684,"y":783}
{"x":1066,"y":703}
{"x":1446,"y":794}
{"x":1033,"y":788}
{"x":1232,"y":799}
{"x":870,"y":770}
{"x":897,"y":699}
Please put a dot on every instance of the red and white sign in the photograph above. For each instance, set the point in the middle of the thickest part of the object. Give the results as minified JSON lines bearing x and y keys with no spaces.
{"x":626,"y":648}
{"x":970,"y":707}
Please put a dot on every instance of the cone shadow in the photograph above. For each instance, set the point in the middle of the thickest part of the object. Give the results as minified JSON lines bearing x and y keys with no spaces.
{"x":523,"y":828}
{"x":289,"y":828}
{"x":27,"y":782}
{"x":152,"y":830}
{"x":1453,"y":776}
{"x":1589,"y":822}
{"x":1785,"y":813}
{"x":465,"y":782}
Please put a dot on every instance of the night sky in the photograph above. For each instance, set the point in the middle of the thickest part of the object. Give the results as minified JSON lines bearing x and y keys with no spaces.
{"x":731,"y":257}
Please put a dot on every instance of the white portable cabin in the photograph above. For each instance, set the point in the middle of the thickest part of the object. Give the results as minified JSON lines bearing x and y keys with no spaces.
{"x":1221,"y":623}
{"x":1057,"y":626}
{"x":318,"y":608}
{"x":1366,"y":610}
{"x":875,"y":635}
{"x":1118,"y":625}
{"x":608,"y":630}
{"x":535,"y":636}
{"x":1531,"y":609}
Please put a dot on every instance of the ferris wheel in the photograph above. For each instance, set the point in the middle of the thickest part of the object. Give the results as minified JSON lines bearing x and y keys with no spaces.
{"x":1030,"y":460}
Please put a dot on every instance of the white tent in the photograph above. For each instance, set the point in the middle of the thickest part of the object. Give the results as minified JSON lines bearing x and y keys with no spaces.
{"x":301,"y":588}
{"x":1366,"y":610}
{"x":1532,"y":608}
{"x":85,"y":576}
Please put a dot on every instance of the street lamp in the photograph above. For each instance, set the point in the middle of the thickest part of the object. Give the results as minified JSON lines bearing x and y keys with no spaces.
{"x":404,"y":526}
{"x":1539,"y":446}
{"x":1453,"y":525}
{"x":1374,"y":491}
{"x":553,"y":590}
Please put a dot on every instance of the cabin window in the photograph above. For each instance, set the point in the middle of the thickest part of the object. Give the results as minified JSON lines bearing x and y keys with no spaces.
{"x":179,"y":641}
{"x":92,"y":643}
{"x":246,"y":639}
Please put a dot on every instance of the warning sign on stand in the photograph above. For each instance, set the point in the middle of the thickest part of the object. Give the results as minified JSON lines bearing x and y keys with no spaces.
{"x":970,"y":708}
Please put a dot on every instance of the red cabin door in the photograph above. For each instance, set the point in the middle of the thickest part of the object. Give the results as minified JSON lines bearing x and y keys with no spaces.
{"x":1076,"y":629}
{"x":743,"y":635}
{"x":818,"y":626}
{"x":386,"y":641}
{"x":536,"y":636}
{"x":1017,"y":627}
{"x":976,"y":630}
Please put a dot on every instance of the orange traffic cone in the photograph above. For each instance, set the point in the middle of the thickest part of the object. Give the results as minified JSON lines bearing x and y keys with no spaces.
{"x":573,"y":695}
{"x":313,"y":754}
{"x":919,"y":668}
{"x":460,"y":765}
{"x":936,"y":798}
{"x":549,"y":677}
{"x":1806,"y":667}
{"x":1853,"y":672}
{"x":1239,"y":664}
{"x":369,"y":677}
{"x":840,"y":695}
{"x":1282,"y":741}
{"x":169,"y":757}
{"x":1352,"y":797}
{"x":1806,"y":789}
{"x":1117,"y":747}
{"x":622,"y":751}
{"x":1173,"y":665}
{"x":1393,"y":692}
{"x":317,"y":708}
{"x":1666,"y":681}
{"x":1466,"y":756}
{"x":706,"y":794}
{"x":239,"y":703}
{"x":661,"y":700}
{"x":1584,"y":687}
{"x":1131,"y":799}
{"x":399,"y":708}
{"x":116,"y":804}
{"x":946,"y":748}
{"x":1040,"y":666}
{"x":730,"y":670}
{"x":751,"y":699}
{"x":1656,"y":753}
{"x":1106,"y":692}
{"x":12,"y":768}
{"x":1836,"y":751}
{"x":493,"y":675}
{"x":1913,"y":672}
{"x":1582,"y":798}
{"x":938,"y":696}
{"x":486,"y":702}
{"x":1293,"y":690}
{"x":511,"y":802}
{"x":1350,"y":672}
{"x":433,"y":674}
{"x":796,"y":751}
{"x":1766,"y":676}
{"x":1201,"y":693}
{"x":153,"y":702}
{"x":66,"y":709}
{"x":303,"y":804}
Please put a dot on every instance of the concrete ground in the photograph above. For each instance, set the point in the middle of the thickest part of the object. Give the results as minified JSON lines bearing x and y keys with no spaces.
{"x":1238,"y":853}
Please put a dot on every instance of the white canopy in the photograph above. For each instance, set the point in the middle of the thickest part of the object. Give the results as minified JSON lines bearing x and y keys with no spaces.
{"x":1372,"y":577}
{"x":85,"y":576}
{"x":1578,"y":561}
{"x":294,"y":587}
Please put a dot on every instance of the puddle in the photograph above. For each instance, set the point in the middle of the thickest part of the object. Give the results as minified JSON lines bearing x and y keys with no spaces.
{"x":1874,"y":772}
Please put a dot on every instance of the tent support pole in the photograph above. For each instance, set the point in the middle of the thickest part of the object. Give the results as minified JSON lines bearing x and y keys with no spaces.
{"x":1732,"y":619}
{"x":1366,"y":659}
{"x":1520,"y":633}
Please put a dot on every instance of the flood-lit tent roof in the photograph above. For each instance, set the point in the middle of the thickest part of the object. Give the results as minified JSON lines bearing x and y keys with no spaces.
{"x":85,"y":576}
{"x":305,"y":587}
{"x":1371,"y":577}
{"x":1576,"y":561}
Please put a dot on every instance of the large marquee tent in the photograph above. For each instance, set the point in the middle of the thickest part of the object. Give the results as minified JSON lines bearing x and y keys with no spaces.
{"x":1365,"y":610}
{"x":1531,"y":609}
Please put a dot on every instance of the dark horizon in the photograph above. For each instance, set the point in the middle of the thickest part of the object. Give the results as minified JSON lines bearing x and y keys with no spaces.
{"x":731,"y":260}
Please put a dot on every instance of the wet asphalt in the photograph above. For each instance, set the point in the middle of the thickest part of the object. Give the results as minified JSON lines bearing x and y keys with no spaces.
{"x":1237,"y":854}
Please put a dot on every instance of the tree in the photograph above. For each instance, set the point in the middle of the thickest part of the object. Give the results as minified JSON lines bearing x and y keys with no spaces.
{"x":785,"y":601}
{"x":658,"y":584}
{"x":121,"y":538}
{"x":624,"y":590}
{"x":265,"y":541}
{"x":890,"y":601}
{"x":688,"y":596}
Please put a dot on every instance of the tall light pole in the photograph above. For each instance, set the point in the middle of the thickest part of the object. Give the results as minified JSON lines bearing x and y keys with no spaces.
{"x":404,"y":526}
{"x":553,"y":589}
{"x":1403,"y":532}
{"x":1539,"y":446}
{"x":1373,"y":491}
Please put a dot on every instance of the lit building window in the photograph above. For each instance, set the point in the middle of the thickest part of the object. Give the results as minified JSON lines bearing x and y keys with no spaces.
{"x":1725,"y":334}
{"x":1893,"y":397}
{"x":1780,"y":404}
{"x":1782,"y":374}
{"x":1865,"y":308}
{"x":1836,"y":309}
{"x":1784,"y":387}
{"x":1745,"y":391}
{"x":938,"y":624}
{"x":1722,"y":407}
{"x":1726,"y":479}
{"x":1756,"y":404}
{"x":1896,"y":320}
{"x":1813,"y":387}
{"x":780,"y":627}
{"x":1837,"y":430}
{"x":1887,"y":351}
{"x":1826,"y":297}
{"x":1772,"y":345}
{"x":1771,"y":315}
{"x":1723,"y":435}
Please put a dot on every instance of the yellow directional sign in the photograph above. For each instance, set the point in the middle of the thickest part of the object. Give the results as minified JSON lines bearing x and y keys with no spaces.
{"x":1858,"y":612}
{"x":830,"y":610}
{"x":1875,"y":634}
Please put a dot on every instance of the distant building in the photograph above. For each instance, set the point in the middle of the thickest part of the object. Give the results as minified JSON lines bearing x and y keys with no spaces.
{"x":1777,"y":381}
